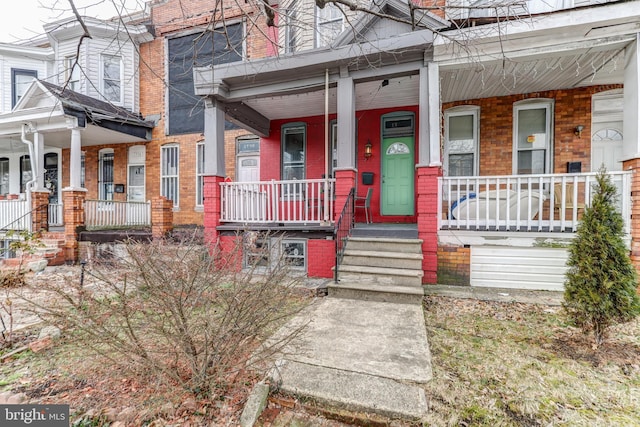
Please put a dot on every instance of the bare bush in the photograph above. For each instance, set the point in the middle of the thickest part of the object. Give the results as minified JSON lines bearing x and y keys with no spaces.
{"x":180,"y":312}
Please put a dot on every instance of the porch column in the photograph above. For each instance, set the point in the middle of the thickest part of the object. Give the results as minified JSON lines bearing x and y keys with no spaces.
{"x":38,"y":163}
{"x":214,"y":168}
{"x":40,"y":211}
{"x":631,"y":142}
{"x":346,"y":102}
{"x":428,"y":169}
{"x":345,"y":173}
{"x":73,"y":201}
{"x":429,"y":113}
{"x":75,"y":161}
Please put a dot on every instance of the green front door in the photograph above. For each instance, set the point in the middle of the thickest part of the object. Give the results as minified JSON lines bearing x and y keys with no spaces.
{"x":397,"y":176}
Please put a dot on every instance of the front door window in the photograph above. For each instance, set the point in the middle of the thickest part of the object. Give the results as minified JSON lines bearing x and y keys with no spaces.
{"x":532,"y":137}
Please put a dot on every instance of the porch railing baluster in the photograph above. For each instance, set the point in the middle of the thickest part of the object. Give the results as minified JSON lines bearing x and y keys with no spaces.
{"x":522,"y":202}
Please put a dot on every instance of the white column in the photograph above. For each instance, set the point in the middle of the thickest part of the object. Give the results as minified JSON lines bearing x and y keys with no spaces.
{"x":429,"y":113}
{"x":346,"y":123}
{"x":213,"y":138}
{"x":75,"y":167}
{"x":631,"y":117}
{"x":38,"y":162}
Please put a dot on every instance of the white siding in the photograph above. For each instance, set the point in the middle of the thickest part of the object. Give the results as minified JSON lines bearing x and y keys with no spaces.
{"x":518,"y":268}
{"x":306,"y":18}
{"x":8,"y":62}
{"x":126,"y":51}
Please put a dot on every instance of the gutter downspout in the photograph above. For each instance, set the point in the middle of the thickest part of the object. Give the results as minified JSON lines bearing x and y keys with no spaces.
{"x":29,"y":185}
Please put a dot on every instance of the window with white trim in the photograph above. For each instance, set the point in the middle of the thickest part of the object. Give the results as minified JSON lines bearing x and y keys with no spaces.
{"x":25,"y":172}
{"x":293,"y":151}
{"x":169,"y":160}
{"x":292,"y":28}
{"x":82,"y":168}
{"x":294,"y":253}
{"x":111,"y":78}
{"x":532,"y":137}
{"x":105,"y":174}
{"x":20,"y":82}
{"x":461,"y":141}
{"x":72,"y":73}
{"x":329,"y":23}
{"x":263,"y":252}
{"x":200,"y":173}
{"x":4,"y":175}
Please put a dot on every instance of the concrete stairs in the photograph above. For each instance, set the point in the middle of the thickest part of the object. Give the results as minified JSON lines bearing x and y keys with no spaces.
{"x":384,"y":269}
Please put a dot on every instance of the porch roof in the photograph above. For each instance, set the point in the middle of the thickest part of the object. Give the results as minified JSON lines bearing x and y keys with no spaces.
{"x":293,"y":85}
{"x":560,"y":50}
{"x":54,"y":110}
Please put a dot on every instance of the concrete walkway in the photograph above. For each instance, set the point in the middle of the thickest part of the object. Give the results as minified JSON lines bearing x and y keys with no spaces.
{"x":358,"y":355}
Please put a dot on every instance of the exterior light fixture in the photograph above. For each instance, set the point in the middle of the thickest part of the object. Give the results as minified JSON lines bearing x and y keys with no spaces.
{"x":578,"y":131}
{"x":368,"y":148}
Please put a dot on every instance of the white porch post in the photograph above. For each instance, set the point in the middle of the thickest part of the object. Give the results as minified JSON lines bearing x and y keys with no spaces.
{"x":38,"y":162}
{"x":346,"y":122}
{"x":75,"y":167}
{"x":214,"y":164}
{"x":429,"y":113}
{"x":631,"y":147}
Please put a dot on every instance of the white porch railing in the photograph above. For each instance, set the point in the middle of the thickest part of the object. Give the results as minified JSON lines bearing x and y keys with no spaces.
{"x":15,"y":215}
{"x":552,"y":203}
{"x":116,"y":214}
{"x":55,"y":214}
{"x":304,"y":201}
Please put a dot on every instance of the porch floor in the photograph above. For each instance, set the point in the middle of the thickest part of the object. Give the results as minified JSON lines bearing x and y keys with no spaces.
{"x":400,"y":231}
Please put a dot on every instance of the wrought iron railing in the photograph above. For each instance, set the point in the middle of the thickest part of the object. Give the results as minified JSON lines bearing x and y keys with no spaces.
{"x":343,"y":228}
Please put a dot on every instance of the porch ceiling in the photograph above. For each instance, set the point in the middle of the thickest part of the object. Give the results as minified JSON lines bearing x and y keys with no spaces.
{"x":10,"y":140}
{"x":401,"y":91}
{"x":508,"y":77}
{"x":480,"y":80}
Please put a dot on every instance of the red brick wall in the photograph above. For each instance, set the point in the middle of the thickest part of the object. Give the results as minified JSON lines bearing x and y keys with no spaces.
{"x":454,"y":265}
{"x":321,"y":257}
{"x":572,"y":107}
{"x":169,"y":18}
{"x":368,"y":130}
{"x":427,"y":200}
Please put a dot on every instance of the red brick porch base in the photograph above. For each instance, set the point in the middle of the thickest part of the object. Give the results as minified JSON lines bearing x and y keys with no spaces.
{"x":427,"y":209}
{"x":212,"y":208}
{"x":73,"y":219}
{"x":345,"y":181}
{"x":634,"y":166}
{"x":40,"y":209}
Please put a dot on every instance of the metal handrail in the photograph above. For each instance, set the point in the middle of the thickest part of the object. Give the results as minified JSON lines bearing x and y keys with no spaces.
{"x":343,"y":228}
{"x":20,"y":218}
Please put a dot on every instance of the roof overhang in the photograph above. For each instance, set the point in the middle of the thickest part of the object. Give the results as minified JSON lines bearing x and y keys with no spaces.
{"x":560,"y":50}
{"x":254,"y":92}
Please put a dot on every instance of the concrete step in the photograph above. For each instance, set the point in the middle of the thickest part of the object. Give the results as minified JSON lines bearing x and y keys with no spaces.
{"x":374,"y":292}
{"x":352,"y":391}
{"x":383,"y":244}
{"x":380,"y":275}
{"x":401,"y":260}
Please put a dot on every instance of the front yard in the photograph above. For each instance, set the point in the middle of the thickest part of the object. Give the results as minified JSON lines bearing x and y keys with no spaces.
{"x":494,"y":364}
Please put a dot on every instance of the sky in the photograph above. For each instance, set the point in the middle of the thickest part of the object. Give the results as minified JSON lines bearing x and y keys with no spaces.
{"x":26,"y":19}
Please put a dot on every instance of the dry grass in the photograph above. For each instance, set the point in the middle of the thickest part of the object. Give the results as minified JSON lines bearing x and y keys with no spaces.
{"x":509,"y":364}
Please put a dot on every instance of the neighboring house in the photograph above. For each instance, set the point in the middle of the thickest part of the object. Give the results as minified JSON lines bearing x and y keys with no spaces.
{"x":484,"y":132}
{"x":112,"y":123}
{"x":65,"y":109}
